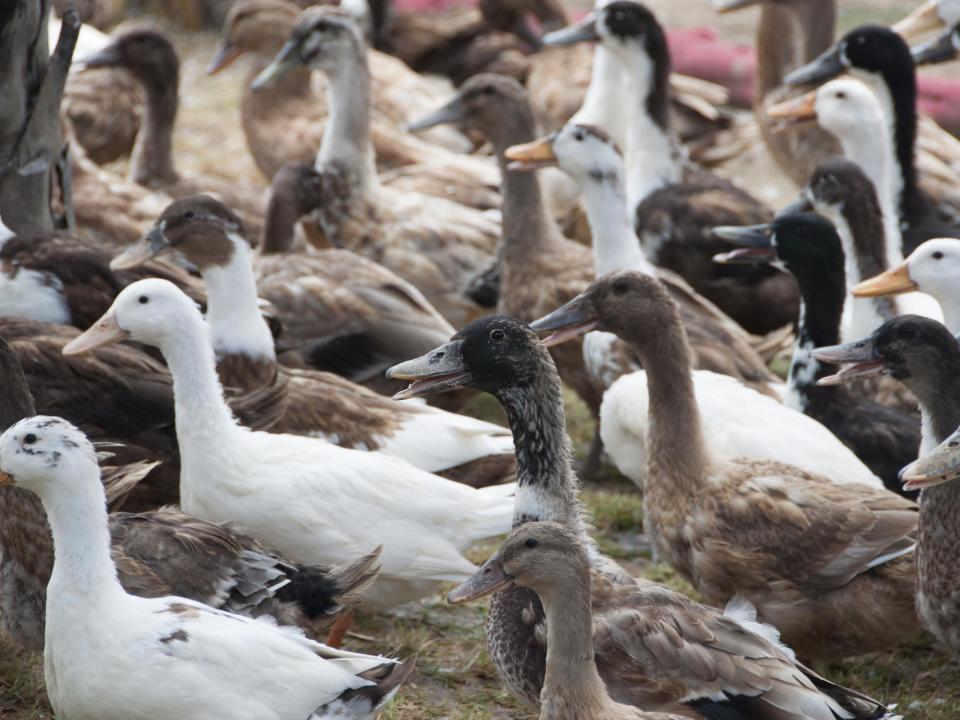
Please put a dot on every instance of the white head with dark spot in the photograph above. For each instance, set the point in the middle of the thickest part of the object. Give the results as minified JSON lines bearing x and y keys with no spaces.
{"x":934,"y":268}
{"x":39,"y":452}
{"x":584,"y":152}
{"x":846,"y":106}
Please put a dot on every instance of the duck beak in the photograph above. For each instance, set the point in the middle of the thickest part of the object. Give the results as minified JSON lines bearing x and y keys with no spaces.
{"x":227,"y":52}
{"x":918,"y":23}
{"x":453,"y":112}
{"x":861,"y":356}
{"x":485,"y":581}
{"x":583,"y":31}
{"x":889,"y":282}
{"x":725,"y":6}
{"x":757,"y":239}
{"x":440,"y":369}
{"x":796,"y":111}
{"x":106,"y":331}
{"x":940,"y":466}
{"x":5,"y":479}
{"x":946,"y":47}
{"x":144,"y":249}
{"x":567,"y":322}
{"x":827,"y":66}
{"x":285,"y":61}
{"x":532,"y":155}
{"x":105,"y":57}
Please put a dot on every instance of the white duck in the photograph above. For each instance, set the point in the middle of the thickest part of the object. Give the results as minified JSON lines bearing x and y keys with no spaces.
{"x":738,"y":419}
{"x":110,"y":655}
{"x":303,"y":496}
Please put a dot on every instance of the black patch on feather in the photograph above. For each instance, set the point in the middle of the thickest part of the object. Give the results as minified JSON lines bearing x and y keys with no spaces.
{"x":313,"y":590}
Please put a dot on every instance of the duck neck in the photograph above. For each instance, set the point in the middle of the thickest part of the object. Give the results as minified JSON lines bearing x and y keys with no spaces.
{"x":233,"y":312}
{"x":546,"y":484}
{"x":81,"y":537}
{"x":938,"y":394}
{"x":346,"y":145}
{"x":151,"y":163}
{"x":876,"y":159}
{"x":653,"y":158}
{"x":609,"y":83}
{"x":615,"y":245}
{"x":675,"y":444}
{"x":791,"y":34}
{"x":571,"y":678}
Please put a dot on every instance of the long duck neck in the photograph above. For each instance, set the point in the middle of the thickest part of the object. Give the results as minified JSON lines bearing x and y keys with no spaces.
{"x":615,"y":245}
{"x":346,"y":147}
{"x":151,"y":163}
{"x":608,"y":86}
{"x":546,"y":484}
{"x":939,"y":398}
{"x":236,"y":325}
{"x":571,"y":678}
{"x":791,"y":34}
{"x":877,"y":161}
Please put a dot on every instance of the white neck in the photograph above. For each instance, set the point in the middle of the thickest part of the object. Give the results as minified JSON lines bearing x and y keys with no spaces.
{"x":951,"y":314}
{"x":615,"y":245}
{"x":346,"y":138}
{"x":876,"y":83}
{"x":78,"y":521}
{"x":652,"y":158}
{"x":233,"y":312}
{"x":602,"y":105}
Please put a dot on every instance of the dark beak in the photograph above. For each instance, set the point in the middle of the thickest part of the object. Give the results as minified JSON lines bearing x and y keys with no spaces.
{"x":756,"y":239}
{"x":488,"y":579}
{"x":146,"y":248}
{"x":453,"y":112}
{"x":565,"y":323}
{"x":861,"y":356}
{"x":725,"y":6}
{"x":823,"y":68}
{"x":583,"y":31}
{"x":940,"y":466}
{"x":946,"y":47}
{"x":106,"y":57}
{"x":285,"y":61}
{"x":226,"y":54}
{"x":440,"y":369}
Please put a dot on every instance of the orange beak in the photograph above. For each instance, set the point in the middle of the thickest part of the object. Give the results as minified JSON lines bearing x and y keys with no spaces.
{"x":532,"y":155}
{"x":5,"y":479}
{"x":890,"y":282}
{"x":796,"y":110}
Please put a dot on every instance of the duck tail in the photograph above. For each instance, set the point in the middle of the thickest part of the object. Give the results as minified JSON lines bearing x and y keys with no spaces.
{"x":493,"y":511}
{"x":387,"y":679}
{"x":323,"y":594}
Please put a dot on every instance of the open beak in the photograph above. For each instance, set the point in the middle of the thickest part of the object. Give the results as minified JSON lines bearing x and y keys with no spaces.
{"x":144,"y":249}
{"x":796,"y":111}
{"x":106,"y":57}
{"x":5,"y":478}
{"x":941,"y":49}
{"x":567,"y":322}
{"x":756,"y":239}
{"x":440,"y":369}
{"x":227,"y":52}
{"x":532,"y":155}
{"x":828,"y":65}
{"x":583,"y":31}
{"x":106,"y":331}
{"x":921,"y":21}
{"x":485,"y":581}
{"x":453,"y":112}
{"x":725,"y":6}
{"x":941,"y":465}
{"x":285,"y":61}
{"x":889,"y":282}
{"x":860,"y":355}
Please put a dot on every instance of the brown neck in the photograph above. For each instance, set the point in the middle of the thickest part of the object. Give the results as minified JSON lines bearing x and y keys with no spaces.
{"x":152,"y":161}
{"x":789,"y":35}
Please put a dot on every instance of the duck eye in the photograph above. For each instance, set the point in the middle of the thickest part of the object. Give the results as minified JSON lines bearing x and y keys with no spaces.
{"x":497,"y":335}
{"x":578,"y":136}
{"x":938,"y":255}
{"x":531,"y":542}
{"x":29,"y":439}
{"x":143,"y":299}
{"x":189,"y":214}
{"x":908,"y":332}
{"x":488,"y":90}
{"x":620,"y":287}
{"x":842,"y":95}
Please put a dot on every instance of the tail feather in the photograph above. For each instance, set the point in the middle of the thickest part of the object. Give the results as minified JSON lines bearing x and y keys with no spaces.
{"x":324,"y":594}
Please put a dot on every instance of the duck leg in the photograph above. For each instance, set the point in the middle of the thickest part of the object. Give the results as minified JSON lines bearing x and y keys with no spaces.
{"x":339,"y":629}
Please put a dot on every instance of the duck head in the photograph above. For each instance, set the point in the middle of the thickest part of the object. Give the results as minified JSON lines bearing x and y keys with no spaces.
{"x":802,"y":243}
{"x":842,"y":107}
{"x":146,"y":53}
{"x":940,"y":465}
{"x":934,"y":268}
{"x":584,"y":152}
{"x":254,"y":26}
{"x":869,"y":49}
{"x":39,"y":452}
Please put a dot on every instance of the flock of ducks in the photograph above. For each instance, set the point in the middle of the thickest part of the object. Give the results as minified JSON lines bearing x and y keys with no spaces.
{"x":217,"y":361}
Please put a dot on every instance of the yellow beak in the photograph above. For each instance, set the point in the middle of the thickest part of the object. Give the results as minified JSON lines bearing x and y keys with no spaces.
{"x":890,"y":282}
{"x":532,"y":155}
{"x":5,"y":479}
{"x":920,"y":22}
{"x":106,"y":331}
{"x":796,"y":109}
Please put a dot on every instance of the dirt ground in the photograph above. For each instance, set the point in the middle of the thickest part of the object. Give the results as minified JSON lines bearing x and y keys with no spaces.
{"x":455,"y":678}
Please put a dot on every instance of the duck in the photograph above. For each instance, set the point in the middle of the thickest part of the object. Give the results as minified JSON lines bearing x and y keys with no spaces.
{"x":789,"y":34}
{"x":549,"y":559}
{"x":942,"y":48}
{"x":160,"y":552}
{"x":151,"y":58}
{"x":261,"y":481}
{"x":925,"y":356}
{"x":169,"y":656}
{"x":880,"y":57}
{"x":433,"y":243}
{"x":884,"y":437}
{"x":931,"y":15}
{"x":850,"y":594}
{"x":750,"y":671}
{"x":208,"y":237}
{"x":674,"y":202}
{"x":933,"y":268}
